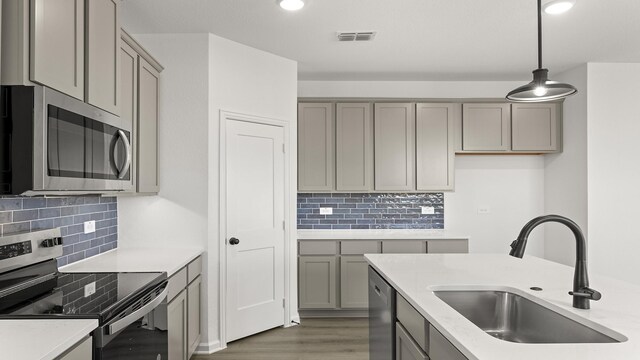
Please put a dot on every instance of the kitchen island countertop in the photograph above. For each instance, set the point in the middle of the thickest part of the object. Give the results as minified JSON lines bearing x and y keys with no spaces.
{"x":415,"y":277}
{"x":41,"y":339}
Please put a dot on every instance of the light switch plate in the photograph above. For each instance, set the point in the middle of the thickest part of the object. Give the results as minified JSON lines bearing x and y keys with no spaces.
{"x":89,"y":227}
{"x":90,"y":289}
{"x":428,"y":210}
{"x":326,"y":211}
{"x":484,"y":210}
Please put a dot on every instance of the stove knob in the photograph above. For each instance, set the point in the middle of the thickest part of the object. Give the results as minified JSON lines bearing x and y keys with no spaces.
{"x":51,"y":242}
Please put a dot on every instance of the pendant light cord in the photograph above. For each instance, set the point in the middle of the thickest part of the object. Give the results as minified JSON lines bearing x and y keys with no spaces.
{"x":539,"y":34}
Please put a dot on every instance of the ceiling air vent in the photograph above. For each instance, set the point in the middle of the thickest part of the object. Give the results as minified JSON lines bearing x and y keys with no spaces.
{"x":356,"y":36}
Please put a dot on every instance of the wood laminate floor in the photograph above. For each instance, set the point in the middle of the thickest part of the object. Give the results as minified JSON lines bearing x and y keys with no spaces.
{"x":314,"y":339}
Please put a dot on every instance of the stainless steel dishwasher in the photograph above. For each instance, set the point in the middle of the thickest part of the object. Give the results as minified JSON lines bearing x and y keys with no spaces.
{"x":382,"y":314}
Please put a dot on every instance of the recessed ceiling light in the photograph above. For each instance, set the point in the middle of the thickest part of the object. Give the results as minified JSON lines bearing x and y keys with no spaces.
{"x":291,"y":5}
{"x":556,"y":7}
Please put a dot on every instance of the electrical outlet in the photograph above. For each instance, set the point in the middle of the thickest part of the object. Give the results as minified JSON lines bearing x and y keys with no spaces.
{"x":326,"y":211}
{"x":89,"y":227}
{"x":428,"y":210}
{"x":484,"y":210}
{"x":90,"y":289}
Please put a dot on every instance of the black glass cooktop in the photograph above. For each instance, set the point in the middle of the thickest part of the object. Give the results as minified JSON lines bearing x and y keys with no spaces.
{"x":83,"y":295}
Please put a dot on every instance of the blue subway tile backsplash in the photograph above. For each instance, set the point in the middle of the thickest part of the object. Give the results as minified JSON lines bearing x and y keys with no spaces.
{"x":23,"y":214}
{"x":370,"y":211}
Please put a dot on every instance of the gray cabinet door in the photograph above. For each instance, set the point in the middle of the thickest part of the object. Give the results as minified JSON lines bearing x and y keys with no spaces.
{"x":406,"y":347}
{"x":434,"y":147}
{"x":317,"y":282}
{"x":148,"y":101}
{"x":103,"y":54}
{"x":354,"y":275}
{"x":57,"y":45}
{"x":394,"y":137}
{"x":486,"y":127}
{"x":80,"y":351}
{"x":441,"y":349}
{"x":315,"y":147}
{"x":193,"y":323}
{"x":534,"y":127}
{"x":354,"y":147}
{"x":177,"y":327}
{"x":129,"y":99}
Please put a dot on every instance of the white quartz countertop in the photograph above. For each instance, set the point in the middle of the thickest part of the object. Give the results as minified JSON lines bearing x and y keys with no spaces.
{"x":41,"y":339}
{"x":377,"y":235}
{"x":136,"y":260}
{"x":416,"y":276}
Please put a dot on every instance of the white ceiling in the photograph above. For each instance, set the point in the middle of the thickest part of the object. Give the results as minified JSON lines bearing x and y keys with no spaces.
{"x":416,"y":40}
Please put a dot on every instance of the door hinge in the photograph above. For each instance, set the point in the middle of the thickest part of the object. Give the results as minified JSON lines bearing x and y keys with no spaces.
{"x":283,"y":150}
{"x":283,"y":225}
{"x":282,"y":302}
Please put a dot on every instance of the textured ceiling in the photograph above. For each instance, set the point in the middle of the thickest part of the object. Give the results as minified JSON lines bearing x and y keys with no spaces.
{"x":416,"y":40}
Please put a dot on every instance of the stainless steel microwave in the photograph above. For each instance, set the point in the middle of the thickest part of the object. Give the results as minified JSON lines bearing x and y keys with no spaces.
{"x":51,"y":143}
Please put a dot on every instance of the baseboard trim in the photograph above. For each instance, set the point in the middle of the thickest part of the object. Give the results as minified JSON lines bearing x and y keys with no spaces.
{"x":210,"y":348}
{"x":333,"y":313}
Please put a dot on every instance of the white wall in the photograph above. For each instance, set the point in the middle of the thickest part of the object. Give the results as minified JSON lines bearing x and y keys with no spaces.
{"x":614,"y":170}
{"x":511,"y":186}
{"x":205,"y":74}
{"x":566,"y":173}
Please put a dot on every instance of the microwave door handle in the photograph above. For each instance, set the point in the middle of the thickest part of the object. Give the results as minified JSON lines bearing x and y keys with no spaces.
{"x":127,"y":149}
{"x":131,"y":318}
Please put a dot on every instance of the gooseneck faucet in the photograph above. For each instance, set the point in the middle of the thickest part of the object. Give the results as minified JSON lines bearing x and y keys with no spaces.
{"x":581,"y":291}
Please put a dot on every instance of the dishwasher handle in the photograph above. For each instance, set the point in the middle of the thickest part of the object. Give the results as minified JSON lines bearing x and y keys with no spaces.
{"x":131,"y":318}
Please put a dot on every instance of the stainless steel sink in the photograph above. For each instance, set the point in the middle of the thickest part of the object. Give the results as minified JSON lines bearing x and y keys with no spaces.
{"x":511,"y":317}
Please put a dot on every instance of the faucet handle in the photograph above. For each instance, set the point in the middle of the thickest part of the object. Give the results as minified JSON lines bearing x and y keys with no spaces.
{"x":514,"y":244}
{"x":588,"y":293}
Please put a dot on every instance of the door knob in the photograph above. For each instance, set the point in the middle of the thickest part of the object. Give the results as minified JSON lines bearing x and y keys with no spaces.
{"x":234,"y":241}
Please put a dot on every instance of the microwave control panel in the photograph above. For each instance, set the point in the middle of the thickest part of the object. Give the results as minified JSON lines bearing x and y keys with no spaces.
{"x":15,"y":249}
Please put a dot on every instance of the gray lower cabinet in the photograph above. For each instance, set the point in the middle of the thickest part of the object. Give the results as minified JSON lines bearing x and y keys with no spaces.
{"x":317,"y":282}
{"x":440,"y":348}
{"x":177,"y":327}
{"x":354,"y":147}
{"x":535,"y":127}
{"x":394,"y":152}
{"x":103,"y":55}
{"x":194,"y":291}
{"x":353,"y":282}
{"x":406,"y":347}
{"x":486,"y":127}
{"x":83,"y":350}
{"x":435,"y":151}
{"x":316,"y":147}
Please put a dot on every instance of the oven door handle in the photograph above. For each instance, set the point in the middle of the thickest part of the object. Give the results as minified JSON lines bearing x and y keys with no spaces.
{"x":127,"y":150}
{"x":131,"y":318}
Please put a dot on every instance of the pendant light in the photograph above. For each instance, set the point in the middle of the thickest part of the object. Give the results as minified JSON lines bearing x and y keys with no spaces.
{"x":541,"y":88}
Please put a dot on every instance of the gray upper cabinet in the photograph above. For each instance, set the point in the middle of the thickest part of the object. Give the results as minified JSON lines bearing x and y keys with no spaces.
{"x":535,"y":127}
{"x":57,"y":45}
{"x":354,"y":147}
{"x":486,"y":127}
{"x":129,"y":98}
{"x":316,"y":147}
{"x":147,"y":132}
{"x":103,"y":55}
{"x":394,"y":137}
{"x":435,"y":152}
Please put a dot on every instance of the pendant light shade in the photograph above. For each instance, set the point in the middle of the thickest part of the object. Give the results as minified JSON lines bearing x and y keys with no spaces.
{"x":541,"y":88}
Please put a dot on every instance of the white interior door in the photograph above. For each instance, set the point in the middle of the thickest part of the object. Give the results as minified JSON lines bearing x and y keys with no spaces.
{"x":255,"y":201}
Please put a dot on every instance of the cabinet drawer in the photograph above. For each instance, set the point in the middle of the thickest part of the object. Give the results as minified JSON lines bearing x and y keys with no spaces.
{"x":359,"y":247}
{"x":404,"y":247}
{"x":406,"y":347}
{"x":448,"y":246}
{"x":413,"y":322}
{"x":177,"y":283}
{"x":194,"y":269}
{"x":441,"y":348}
{"x":313,"y":247}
